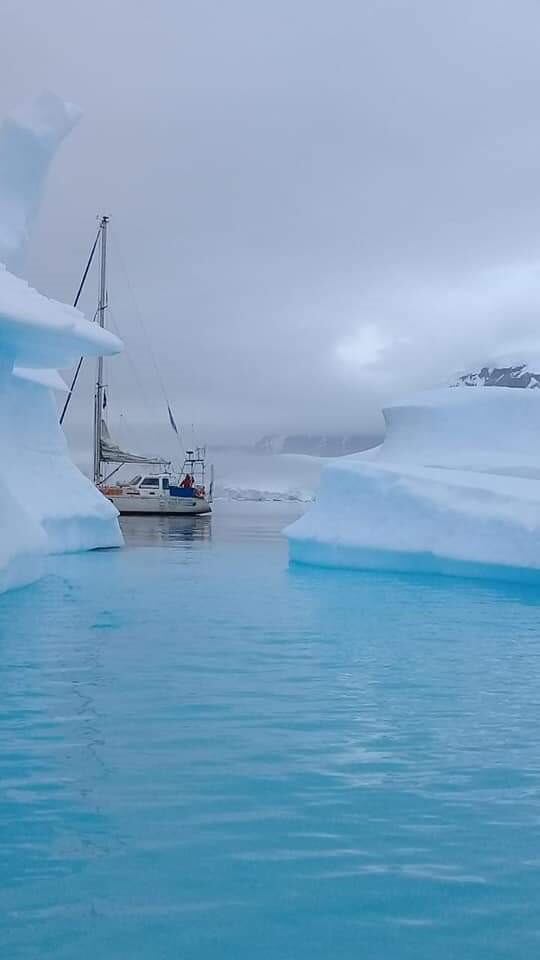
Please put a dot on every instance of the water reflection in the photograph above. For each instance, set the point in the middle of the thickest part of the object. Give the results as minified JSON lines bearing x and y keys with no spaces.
{"x":166,"y":531}
{"x":230,"y":522}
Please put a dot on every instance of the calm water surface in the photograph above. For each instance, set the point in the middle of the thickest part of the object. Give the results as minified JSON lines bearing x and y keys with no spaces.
{"x":206,"y":754}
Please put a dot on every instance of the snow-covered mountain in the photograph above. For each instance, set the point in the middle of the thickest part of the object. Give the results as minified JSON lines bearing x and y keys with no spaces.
{"x":248,"y":476}
{"x":515,"y":376}
{"x":316,"y":445}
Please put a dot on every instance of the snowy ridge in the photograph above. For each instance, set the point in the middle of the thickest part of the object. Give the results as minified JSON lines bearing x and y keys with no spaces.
{"x":512,"y":376}
{"x":453,"y":489}
{"x":46,"y":504}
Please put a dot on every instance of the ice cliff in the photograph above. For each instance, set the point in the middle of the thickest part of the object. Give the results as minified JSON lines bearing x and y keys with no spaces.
{"x":46,"y":504}
{"x":454,"y":488}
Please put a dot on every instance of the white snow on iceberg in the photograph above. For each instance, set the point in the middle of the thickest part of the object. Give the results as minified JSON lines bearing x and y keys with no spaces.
{"x":46,"y":504}
{"x":29,"y":139}
{"x":454,"y":488}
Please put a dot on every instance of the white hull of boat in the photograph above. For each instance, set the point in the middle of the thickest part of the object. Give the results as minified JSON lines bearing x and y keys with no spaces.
{"x":159,"y":505}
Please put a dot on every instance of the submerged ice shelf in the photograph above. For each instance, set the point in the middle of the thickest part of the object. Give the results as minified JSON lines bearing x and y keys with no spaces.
{"x":46,"y":504}
{"x":454,"y":489}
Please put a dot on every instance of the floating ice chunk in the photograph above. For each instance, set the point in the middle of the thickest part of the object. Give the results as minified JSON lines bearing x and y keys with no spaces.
{"x":453,"y":489}
{"x":46,"y":504}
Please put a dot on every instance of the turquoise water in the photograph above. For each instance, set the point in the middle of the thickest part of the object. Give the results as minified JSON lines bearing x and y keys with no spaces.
{"x":206,"y":754}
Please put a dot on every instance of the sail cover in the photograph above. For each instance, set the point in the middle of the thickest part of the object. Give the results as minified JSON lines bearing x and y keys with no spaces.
{"x":111,"y":452}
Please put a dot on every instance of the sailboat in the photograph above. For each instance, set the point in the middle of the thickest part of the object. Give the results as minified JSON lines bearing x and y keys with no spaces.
{"x":158,"y":491}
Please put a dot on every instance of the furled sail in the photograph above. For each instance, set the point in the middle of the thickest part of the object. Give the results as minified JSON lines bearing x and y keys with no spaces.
{"x":111,"y":452}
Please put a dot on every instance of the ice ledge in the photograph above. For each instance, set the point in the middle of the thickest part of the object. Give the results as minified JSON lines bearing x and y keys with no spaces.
{"x":340,"y":556}
{"x":45,"y":378}
{"x":454,"y":489}
{"x":38,"y":332}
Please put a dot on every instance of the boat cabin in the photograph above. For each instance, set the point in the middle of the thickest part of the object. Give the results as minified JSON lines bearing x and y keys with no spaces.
{"x":151,"y":484}
{"x":163,"y":484}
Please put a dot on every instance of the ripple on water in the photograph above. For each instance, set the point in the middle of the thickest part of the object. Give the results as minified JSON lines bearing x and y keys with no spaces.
{"x":206,"y":754}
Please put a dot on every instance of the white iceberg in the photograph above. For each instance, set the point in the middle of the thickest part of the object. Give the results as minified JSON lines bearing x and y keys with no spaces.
{"x":46,"y":504}
{"x":454,"y":489}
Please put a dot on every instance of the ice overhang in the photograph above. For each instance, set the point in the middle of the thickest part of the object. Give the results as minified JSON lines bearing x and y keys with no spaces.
{"x":37,"y":332}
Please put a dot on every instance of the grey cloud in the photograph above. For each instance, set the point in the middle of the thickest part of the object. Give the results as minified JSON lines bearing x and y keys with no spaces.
{"x":291,"y":184}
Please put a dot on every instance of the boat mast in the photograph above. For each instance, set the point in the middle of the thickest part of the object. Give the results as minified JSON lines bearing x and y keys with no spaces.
{"x":98,"y":395}
{"x":75,"y":302}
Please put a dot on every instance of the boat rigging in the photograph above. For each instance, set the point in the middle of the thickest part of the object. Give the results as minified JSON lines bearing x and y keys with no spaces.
{"x":165,"y":491}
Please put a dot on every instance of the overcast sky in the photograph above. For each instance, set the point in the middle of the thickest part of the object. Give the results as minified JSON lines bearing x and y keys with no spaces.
{"x":318,"y":205}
